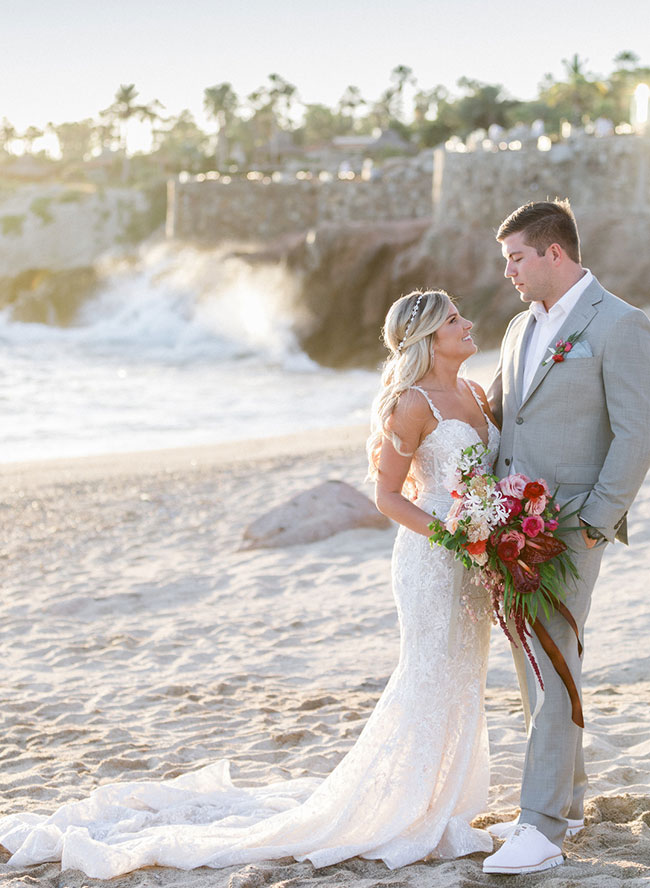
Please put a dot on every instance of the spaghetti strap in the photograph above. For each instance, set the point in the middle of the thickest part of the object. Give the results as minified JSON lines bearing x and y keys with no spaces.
{"x":477,"y":398}
{"x":434,"y":409}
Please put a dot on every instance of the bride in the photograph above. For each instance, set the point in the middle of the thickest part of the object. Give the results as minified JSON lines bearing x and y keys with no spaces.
{"x":418,"y":773}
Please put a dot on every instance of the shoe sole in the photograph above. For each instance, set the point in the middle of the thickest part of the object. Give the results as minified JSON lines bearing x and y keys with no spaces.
{"x":520,"y":870}
{"x":498,"y":834}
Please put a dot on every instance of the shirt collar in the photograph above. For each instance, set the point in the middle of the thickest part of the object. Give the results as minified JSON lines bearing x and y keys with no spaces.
{"x":565,"y":303}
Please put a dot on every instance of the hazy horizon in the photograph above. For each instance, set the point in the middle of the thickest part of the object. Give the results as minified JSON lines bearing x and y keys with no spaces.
{"x":64,"y":61}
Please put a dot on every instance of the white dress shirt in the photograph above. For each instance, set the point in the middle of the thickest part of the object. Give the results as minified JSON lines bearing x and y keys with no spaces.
{"x":547,"y":325}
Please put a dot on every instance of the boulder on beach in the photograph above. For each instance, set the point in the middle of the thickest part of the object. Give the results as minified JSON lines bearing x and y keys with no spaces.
{"x":314,"y":515}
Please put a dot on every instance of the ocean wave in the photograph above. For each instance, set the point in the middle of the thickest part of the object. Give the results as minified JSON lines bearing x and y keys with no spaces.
{"x":178,"y":303}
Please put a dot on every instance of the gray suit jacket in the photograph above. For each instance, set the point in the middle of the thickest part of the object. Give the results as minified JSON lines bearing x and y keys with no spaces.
{"x":584,"y":425}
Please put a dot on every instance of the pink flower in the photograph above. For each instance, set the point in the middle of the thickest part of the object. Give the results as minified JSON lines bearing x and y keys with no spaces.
{"x":457,"y":509}
{"x":568,"y":346}
{"x":513,"y":485}
{"x":513,"y":505}
{"x":552,"y":525}
{"x":532,"y":525}
{"x":536,"y":506}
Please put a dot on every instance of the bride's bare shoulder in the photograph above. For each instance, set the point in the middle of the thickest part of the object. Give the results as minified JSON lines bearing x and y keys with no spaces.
{"x":411,"y":415}
{"x":480,"y":394}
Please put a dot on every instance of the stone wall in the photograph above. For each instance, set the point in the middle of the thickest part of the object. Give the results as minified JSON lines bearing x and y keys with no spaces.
{"x":213,"y":211}
{"x":609,"y":176}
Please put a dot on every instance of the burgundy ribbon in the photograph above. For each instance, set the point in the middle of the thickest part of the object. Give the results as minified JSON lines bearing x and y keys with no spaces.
{"x":554,"y":654}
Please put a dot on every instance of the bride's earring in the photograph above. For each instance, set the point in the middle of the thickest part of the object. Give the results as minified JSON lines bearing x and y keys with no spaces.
{"x":433,"y":356}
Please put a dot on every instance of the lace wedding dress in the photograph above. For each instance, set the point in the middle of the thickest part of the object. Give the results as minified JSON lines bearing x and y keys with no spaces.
{"x":407,"y":789}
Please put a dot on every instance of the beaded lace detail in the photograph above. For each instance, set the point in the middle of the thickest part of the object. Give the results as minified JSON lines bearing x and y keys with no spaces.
{"x":407,"y":789}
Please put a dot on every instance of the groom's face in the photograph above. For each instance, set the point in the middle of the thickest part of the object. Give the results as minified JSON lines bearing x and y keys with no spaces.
{"x":530,"y":273}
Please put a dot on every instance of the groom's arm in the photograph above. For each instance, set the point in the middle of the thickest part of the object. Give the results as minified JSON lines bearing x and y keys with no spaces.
{"x":495,"y":394}
{"x":495,"y":390}
{"x":626,"y":379}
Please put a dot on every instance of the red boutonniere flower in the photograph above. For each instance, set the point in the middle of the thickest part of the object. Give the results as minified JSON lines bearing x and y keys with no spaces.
{"x":562,"y":348}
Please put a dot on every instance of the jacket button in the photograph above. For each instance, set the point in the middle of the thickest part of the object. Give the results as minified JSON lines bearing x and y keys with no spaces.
{"x":507,"y":462}
{"x":519,"y":420}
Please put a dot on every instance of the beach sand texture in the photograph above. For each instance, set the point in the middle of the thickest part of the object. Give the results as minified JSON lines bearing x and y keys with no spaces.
{"x":139,"y":641}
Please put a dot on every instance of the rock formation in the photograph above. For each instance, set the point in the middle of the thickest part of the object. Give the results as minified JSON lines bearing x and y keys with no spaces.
{"x":315,"y":514}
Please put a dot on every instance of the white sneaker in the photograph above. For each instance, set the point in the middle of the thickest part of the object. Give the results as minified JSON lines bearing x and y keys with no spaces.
{"x":526,"y":850}
{"x":503,"y":830}
{"x":575,"y":826}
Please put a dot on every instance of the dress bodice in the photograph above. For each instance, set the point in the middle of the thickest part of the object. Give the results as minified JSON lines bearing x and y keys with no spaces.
{"x":439,"y":453}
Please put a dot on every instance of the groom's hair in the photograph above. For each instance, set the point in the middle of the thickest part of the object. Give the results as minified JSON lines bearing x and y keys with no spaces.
{"x":545,"y":222}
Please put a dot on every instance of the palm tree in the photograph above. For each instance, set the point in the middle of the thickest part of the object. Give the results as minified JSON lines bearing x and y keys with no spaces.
{"x":271,"y":112}
{"x":7,"y":134}
{"x":350,"y":101}
{"x":626,"y":60}
{"x":281,"y":94}
{"x":400,"y":76}
{"x":29,"y":137}
{"x":220,"y":103}
{"x":579,"y":91}
{"x":124,"y":108}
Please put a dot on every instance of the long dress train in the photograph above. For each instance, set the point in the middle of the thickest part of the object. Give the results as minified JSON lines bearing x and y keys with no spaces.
{"x":408,"y":788}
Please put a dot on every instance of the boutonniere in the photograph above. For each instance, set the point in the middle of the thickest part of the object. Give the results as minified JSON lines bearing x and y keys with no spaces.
{"x":562,"y":348}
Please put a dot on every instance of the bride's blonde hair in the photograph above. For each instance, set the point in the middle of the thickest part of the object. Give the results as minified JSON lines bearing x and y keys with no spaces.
{"x":408,"y":332}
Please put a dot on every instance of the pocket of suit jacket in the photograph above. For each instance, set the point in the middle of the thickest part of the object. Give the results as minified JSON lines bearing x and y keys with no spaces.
{"x":579,"y":350}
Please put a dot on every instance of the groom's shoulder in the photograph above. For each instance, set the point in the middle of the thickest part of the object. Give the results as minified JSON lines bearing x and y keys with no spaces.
{"x":516,"y":322}
{"x":615,"y":306}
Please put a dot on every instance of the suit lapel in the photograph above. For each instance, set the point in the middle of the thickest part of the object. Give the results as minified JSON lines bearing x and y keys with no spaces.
{"x":576,"y":322}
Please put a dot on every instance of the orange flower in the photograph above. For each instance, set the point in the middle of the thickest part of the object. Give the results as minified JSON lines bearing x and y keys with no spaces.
{"x":476,"y":548}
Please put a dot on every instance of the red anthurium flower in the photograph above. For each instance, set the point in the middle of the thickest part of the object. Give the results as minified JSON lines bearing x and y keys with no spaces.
{"x":542,"y":548}
{"x":510,"y":545}
{"x":525,"y":577}
{"x":508,"y":551}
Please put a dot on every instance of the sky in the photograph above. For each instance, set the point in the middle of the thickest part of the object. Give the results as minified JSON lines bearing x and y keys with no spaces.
{"x":63,"y":60}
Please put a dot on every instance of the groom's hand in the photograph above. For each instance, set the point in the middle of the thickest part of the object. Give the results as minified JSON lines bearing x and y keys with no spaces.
{"x":589,"y":543}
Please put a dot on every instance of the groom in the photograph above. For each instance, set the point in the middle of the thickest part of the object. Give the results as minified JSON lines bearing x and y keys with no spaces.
{"x":581,"y":421}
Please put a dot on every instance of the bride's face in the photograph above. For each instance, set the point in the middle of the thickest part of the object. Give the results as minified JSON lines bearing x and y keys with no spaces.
{"x":453,"y":339}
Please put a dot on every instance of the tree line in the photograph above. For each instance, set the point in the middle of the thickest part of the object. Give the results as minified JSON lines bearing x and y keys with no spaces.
{"x":263,"y":125}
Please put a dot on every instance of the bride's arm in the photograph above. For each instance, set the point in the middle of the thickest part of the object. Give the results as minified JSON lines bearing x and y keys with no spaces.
{"x":411,"y":422}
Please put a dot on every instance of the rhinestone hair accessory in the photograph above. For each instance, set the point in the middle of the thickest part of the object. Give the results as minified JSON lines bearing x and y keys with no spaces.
{"x":410,"y":322}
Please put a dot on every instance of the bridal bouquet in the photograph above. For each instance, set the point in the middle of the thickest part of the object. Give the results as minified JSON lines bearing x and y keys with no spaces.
{"x":506,"y":530}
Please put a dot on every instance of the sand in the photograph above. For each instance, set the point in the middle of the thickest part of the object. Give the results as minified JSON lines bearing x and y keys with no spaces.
{"x":139,"y":640}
